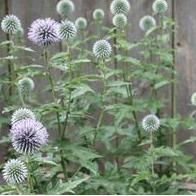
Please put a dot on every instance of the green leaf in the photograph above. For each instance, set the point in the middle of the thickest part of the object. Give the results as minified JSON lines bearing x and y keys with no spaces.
{"x":67,"y":187}
{"x":161,"y":84}
{"x":188,"y":141}
{"x":45,"y":160}
{"x":81,"y":90}
{"x":24,"y":48}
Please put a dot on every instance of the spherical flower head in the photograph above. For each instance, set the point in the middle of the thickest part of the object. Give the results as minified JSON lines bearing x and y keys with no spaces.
{"x":25,"y":86}
{"x":22,"y":113}
{"x":151,"y":123}
{"x":102,"y":49}
{"x":81,"y":23}
{"x":147,"y":23}
{"x":10,"y":24}
{"x":120,"y":7}
{"x":43,"y":32}
{"x":65,"y":7}
{"x":160,"y":6}
{"x":28,"y":136}
{"x":14,"y":171}
{"x":193,"y":99}
{"x":67,"y":30}
{"x":98,"y":15}
{"x":120,"y":21}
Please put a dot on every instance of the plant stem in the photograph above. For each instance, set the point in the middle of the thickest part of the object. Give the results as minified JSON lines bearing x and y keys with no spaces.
{"x":130,"y":97}
{"x":70,"y":91}
{"x":18,"y":189}
{"x":51,"y":82}
{"x":152,"y":163}
{"x":102,"y":69}
{"x":29,"y":179}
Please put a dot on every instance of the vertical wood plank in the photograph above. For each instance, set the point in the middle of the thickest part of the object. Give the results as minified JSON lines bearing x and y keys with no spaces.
{"x":185,"y":60}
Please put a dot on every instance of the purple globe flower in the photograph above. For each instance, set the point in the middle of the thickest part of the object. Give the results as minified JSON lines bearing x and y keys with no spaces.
{"x":43,"y":32}
{"x":28,"y":135}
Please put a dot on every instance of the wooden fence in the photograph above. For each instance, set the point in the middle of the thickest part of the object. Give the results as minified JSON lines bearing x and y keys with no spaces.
{"x":185,"y":41}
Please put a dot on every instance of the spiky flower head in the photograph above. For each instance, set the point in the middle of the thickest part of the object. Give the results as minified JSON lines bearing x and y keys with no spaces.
{"x":150,"y":123}
{"x":120,"y":7}
{"x":43,"y":32}
{"x":193,"y":99}
{"x":25,"y":87}
{"x":10,"y":24}
{"x":160,"y":6}
{"x":67,"y":30}
{"x":14,"y":171}
{"x":102,"y":49}
{"x":20,"y":114}
{"x":147,"y":23}
{"x":120,"y":21}
{"x":65,"y":7}
{"x":28,"y":136}
{"x":98,"y":14}
{"x":81,"y":23}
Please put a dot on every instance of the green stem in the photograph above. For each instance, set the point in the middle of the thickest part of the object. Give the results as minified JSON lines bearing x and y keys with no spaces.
{"x":29,"y":179}
{"x":51,"y":82}
{"x":102,"y":69}
{"x":152,"y":163}
{"x":18,"y":189}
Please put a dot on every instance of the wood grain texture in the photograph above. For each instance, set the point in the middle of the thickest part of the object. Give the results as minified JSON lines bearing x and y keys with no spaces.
{"x":185,"y":16}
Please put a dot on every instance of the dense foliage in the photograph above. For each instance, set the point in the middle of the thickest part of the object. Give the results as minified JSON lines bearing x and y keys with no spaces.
{"x":105,"y":108}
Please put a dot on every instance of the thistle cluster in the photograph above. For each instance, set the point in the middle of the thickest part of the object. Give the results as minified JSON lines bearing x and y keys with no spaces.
{"x":11,"y":24}
{"x":150,"y":123}
{"x":120,"y":21}
{"x":120,"y":7}
{"x":160,"y":6}
{"x":147,"y":23}
{"x":25,"y":87}
{"x":67,"y":30}
{"x":43,"y":32}
{"x":98,"y":15}
{"x":65,"y":7}
{"x":14,"y":171}
{"x":81,"y":23}
{"x":102,"y":49}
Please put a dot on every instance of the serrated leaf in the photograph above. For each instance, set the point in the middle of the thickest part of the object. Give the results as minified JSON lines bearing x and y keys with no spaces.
{"x":24,"y":48}
{"x":67,"y":187}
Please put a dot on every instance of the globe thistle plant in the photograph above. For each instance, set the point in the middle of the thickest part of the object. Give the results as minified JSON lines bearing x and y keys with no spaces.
{"x":25,"y":86}
{"x":65,"y":7}
{"x":193,"y":99}
{"x":11,"y":24}
{"x":28,"y":136}
{"x":120,"y":7}
{"x":81,"y":23}
{"x":160,"y":6}
{"x":20,"y":114}
{"x":43,"y":32}
{"x":102,"y":49}
{"x":98,"y":15}
{"x":150,"y":123}
{"x":14,"y":171}
{"x":120,"y":21}
{"x":147,"y":22}
{"x":67,"y":30}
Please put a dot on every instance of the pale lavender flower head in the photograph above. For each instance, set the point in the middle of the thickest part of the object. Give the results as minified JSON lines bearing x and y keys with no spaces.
{"x":43,"y":32}
{"x":28,"y":136}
